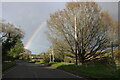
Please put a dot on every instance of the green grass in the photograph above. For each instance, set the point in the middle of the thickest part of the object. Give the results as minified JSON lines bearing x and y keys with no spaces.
{"x":118,"y":70}
{"x":92,"y":71}
{"x":31,"y":61}
{"x":7,"y":65}
{"x":39,"y":62}
{"x":118,"y":67}
{"x":58,"y":64}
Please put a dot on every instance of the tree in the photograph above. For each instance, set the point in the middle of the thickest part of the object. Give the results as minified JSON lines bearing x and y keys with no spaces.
{"x":10,"y":36}
{"x":60,"y":49}
{"x":92,"y":29}
{"x":16,"y":50}
{"x":25,"y":54}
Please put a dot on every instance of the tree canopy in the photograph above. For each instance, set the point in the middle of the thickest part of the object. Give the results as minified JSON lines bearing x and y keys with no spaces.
{"x":10,"y":37}
{"x":91,"y":25}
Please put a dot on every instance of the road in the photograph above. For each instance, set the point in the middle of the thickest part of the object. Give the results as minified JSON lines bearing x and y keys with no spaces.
{"x":36,"y":71}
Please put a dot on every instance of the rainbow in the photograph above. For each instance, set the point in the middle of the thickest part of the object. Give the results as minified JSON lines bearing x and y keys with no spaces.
{"x":33,"y":35}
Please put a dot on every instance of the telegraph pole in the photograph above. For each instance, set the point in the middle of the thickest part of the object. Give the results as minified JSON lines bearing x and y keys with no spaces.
{"x":75,"y":40}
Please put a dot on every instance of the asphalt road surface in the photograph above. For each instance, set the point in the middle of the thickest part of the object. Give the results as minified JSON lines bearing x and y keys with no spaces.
{"x":36,"y":71}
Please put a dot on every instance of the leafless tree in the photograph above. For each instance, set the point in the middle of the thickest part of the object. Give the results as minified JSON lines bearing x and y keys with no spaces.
{"x":93,"y":29}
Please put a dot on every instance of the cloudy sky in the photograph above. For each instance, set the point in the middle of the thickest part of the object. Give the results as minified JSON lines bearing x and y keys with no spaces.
{"x":31,"y":17}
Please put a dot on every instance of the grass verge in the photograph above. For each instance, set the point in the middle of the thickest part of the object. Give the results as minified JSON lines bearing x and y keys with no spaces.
{"x":7,"y":65}
{"x":40,"y":63}
{"x":88,"y":71}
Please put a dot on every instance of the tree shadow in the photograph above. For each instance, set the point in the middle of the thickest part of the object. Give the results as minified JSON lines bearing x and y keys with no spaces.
{"x":92,"y":72}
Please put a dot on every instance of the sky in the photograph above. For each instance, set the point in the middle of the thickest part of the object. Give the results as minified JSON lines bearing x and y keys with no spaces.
{"x":31,"y":17}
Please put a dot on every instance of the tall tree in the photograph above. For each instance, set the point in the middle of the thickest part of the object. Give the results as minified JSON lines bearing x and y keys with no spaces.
{"x":86,"y":20}
{"x":9,"y":36}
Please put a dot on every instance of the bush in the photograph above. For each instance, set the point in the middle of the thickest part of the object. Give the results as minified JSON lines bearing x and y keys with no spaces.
{"x":69,"y":59}
{"x":105,"y":61}
{"x":46,"y":57}
{"x":40,"y":62}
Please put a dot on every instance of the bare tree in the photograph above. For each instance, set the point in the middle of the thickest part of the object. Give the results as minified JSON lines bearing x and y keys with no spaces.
{"x":9,"y":30}
{"x":92,"y":31}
